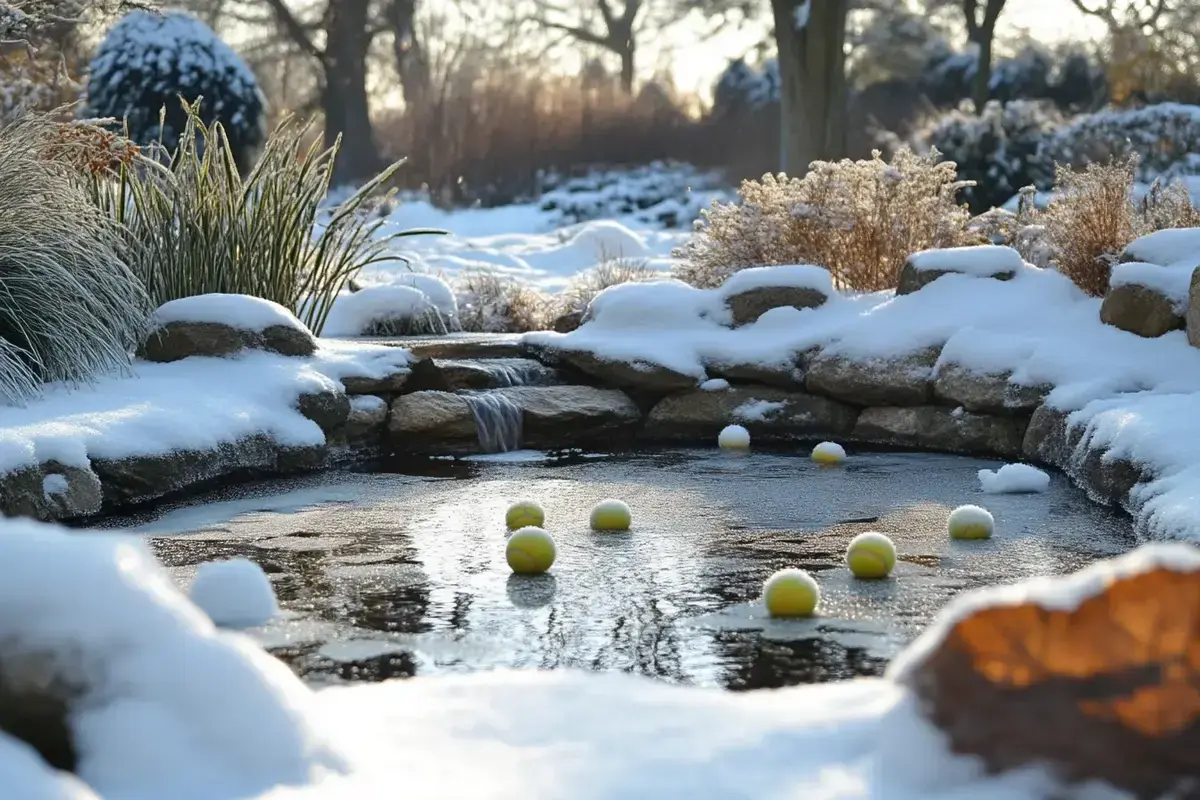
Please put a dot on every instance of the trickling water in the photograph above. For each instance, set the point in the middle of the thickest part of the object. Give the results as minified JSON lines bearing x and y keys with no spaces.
{"x":517,"y":372}
{"x":498,"y":421}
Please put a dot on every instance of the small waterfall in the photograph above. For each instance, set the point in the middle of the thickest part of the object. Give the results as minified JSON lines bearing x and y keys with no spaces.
{"x":517,"y":372}
{"x":498,"y":421}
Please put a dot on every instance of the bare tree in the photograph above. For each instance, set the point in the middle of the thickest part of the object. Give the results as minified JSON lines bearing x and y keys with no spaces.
{"x":810,"y":36}
{"x":1154,"y":47}
{"x":599,"y":23}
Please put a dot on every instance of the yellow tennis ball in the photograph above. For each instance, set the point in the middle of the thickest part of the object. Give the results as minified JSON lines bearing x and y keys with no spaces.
{"x":530,"y":551}
{"x":524,"y":514}
{"x":829,"y":453}
{"x":871,"y":555}
{"x":611,"y":515}
{"x":791,"y":593}
{"x":733,"y":437}
{"x":970,"y":522}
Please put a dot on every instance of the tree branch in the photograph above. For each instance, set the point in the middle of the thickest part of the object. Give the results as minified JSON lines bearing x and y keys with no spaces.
{"x":295,"y":29}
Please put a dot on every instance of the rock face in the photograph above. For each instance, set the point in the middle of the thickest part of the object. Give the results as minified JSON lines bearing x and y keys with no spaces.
{"x":550,"y":416}
{"x":1105,"y":691}
{"x":50,"y":491}
{"x":985,"y":393}
{"x":178,"y":340}
{"x":366,"y":422}
{"x":570,"y":321}
{"x":628,"y":374}
{"x":1048,"y":439}
{"x":903,"y":381}
{"x":943,"y":429}
{"x":1192,"y":318}
{"x":329,"y":409}
{"x":1140,"y":310}
{"x":765,"y":411}
{"x":746,"y":307}
{"x":392,"y":383}
{"x":787,"y":375}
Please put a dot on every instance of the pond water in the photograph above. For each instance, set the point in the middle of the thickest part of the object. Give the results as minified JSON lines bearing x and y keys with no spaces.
{"x":401,"y":571}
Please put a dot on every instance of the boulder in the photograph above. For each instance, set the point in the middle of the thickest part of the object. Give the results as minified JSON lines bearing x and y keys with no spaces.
{"x":901,"y":381}
{"x":367,"y":420}
{"x":1096,"y":680}
{"x":767,"y":412}
{"x":178,"y":340}
{"x":452,"y":375}
{"x":942,"y":429}
{"x":984,"y":261}
{"x":329,"y":409}
{"x":746,"y":307}
{"x":1048,"y":439}
{"x":433,"y":422}
{"x":1141,"y":310}
{"x":635,"y":374}
{"x":50,"y":492}
{"x":985,"y":393}
{"x":1192,"y":317}
{"x":785,"y":375}
{"x":389,"y":383}
{"x":565,"y":323}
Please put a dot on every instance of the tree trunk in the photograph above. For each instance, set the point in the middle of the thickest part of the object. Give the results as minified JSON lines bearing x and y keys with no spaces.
{"x":411,"y":63}
{"x":627,"y":67}
{"x":347,"y":110}
{"x":812,"y":72}
{"x":981,"y":83}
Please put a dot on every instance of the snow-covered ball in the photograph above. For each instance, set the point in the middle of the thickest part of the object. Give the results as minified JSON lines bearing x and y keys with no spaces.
{"x":147,"y":61}
{"x":235,"y":593}
{"x":611,"y":515}
{"x":734,"y":437}
{"x":970,"y":522}
{"x":829,"y":453}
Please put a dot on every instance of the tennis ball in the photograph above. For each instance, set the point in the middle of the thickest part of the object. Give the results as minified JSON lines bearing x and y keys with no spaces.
{"x":791,"y":593}
{"x":829,"y":453}
{"x":970,"y":522}
{"x":611,"y":515}
{"x":530,"y":551}
{"x":871,"y":555}
{"x":734,"y":437}
{"x":524,"y":514}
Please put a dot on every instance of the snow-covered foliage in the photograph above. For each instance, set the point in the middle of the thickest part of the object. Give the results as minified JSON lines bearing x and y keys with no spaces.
{"x":1165,"y":137}
{"x":1001,"y":150}
{"x":148,"y":61}
{"x":71,"y":308}
{"x":743,"y":87}
{"x":665,"y":195}
{"x":389,"y":310}
{"x":1070,"y":80}
{"x":858,"y":219}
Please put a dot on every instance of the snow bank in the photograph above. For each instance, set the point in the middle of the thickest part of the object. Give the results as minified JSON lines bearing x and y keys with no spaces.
{"x":239,"y":311}
{"x":434,"y":288}
{"x":1171,"y":246}
{"x":654,"y":305}
{"x":1063,"y":593}
{"x":169,"y":707}
{"x":609,"y":239}
{"x":979,"y":261}
{"x":1014,"y":479}
{"x":1173,"y":281}
{"x":354,"y":313}
{"x":803,"y":276}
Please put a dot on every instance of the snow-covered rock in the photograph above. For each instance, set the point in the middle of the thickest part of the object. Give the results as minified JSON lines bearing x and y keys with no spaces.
{"x":750,"y":293}
{"x":1170,"y":246}
{"x":903,"y":381}
{"x":388,"y":310}
{"x":982,"y":261}
{"x":1146,"y":299}
{"x":222,"y":325}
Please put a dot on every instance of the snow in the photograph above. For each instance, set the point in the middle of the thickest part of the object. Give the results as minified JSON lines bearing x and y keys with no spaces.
{"x":714,"y":385}
{"x":54,"y":484}
{"x":1014,"y":479}
{"x":1064,"y":593}
{"x":167,"y":706}
{"x":234,"y":593}
{"x":1173,"y":282}
{"x":980,"y":261}
{"x":240,"y":311}
{"x":757,"y":410}
{"x":436,"y":290}
{"x":354,"y":313}
{"x":669,"y":304}
{"x":367,"y":402}
{"x":1170,"y":246}
{"x":609,"y":239}
{"x":193,"y":404}
{"x":802,"y":276}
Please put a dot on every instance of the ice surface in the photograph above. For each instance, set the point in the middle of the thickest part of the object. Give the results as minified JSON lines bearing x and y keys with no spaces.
{"x":239,"y":311}
{"x":980,"y":261}
{"x":1014,"y":479}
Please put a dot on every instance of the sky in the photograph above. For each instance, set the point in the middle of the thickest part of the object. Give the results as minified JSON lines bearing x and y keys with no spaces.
{"x":696,"y":65}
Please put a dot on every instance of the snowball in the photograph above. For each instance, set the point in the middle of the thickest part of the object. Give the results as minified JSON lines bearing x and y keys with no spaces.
{"x":1014,"y":479}
{"x":234,"y":593}
{"x":733,"y":437}
{"x":714,"y":385}
{"x":240,"y":311}
{"x":981,"y":261}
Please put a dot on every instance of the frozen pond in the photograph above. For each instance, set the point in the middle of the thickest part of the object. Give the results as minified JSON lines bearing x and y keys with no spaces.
{"x":397,"y":573}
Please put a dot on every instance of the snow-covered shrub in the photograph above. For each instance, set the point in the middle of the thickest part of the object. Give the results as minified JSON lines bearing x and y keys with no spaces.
{"x":385,"y":311}
{"x":197,"y":226}
{"x":742,"y":87}
{"x":1000,"y":149}
{"x":858,"y":219}
{"x":1164,"y":137}
{"x":1093,"y":217}
{"x":148,"y":61}
{"x":669,"y":195}
{"x":70,"y":307}
{"x":491,"y":303}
